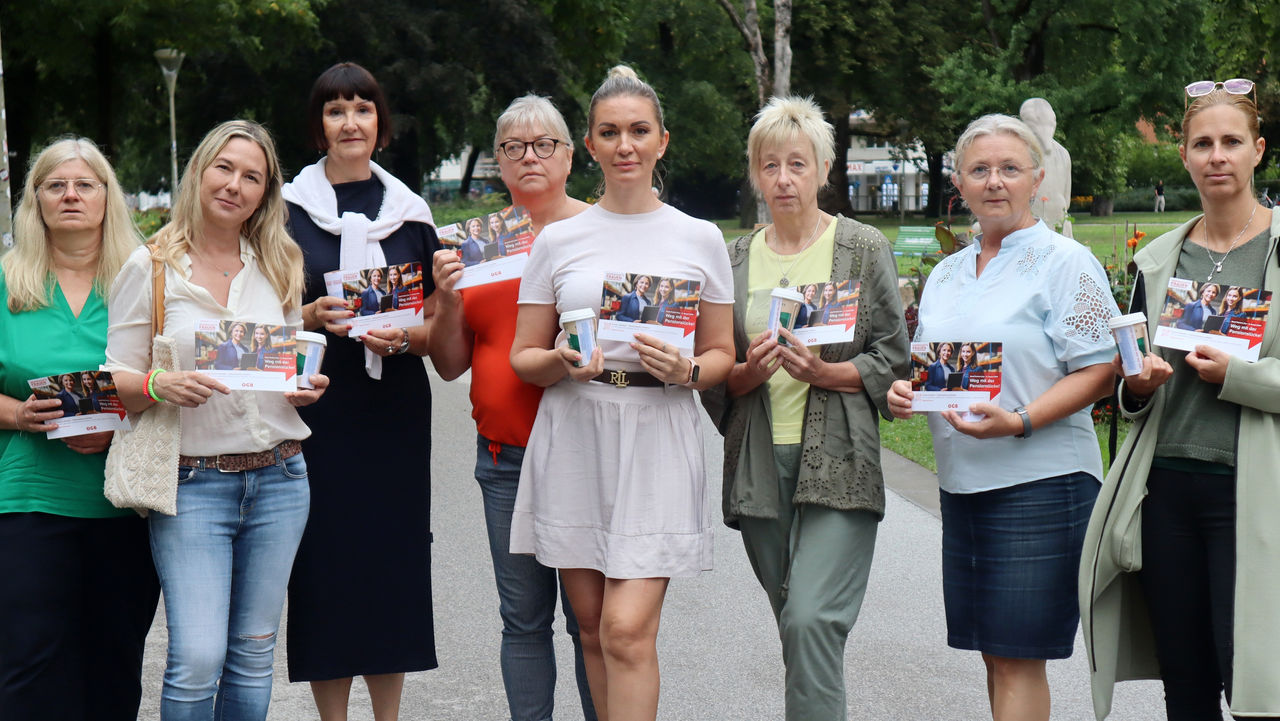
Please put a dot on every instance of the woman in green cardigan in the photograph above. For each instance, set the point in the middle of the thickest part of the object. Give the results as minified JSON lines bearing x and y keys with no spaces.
{"x":802,"y":474}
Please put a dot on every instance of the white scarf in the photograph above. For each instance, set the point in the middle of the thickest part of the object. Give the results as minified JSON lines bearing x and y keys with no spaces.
{"x":361,"y":238}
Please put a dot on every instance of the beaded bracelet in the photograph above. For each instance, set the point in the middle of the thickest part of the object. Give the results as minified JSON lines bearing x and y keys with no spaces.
{"x":151,"y":379}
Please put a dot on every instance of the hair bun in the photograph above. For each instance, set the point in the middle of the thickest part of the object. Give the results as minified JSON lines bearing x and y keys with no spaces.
{"x":622,"y":71}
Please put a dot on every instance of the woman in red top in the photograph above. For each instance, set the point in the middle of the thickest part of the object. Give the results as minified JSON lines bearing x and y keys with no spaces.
{"x":474,"y":328}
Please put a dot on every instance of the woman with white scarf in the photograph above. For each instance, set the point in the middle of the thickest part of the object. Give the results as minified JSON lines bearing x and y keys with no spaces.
{"x":360,"y":594}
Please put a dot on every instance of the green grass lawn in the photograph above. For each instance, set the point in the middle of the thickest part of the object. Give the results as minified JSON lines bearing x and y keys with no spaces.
{"x":911,"y":440}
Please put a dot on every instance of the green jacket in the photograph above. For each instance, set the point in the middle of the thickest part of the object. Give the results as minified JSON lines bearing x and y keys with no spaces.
{"x":840,"y":456}
{"x":1117,"y":632}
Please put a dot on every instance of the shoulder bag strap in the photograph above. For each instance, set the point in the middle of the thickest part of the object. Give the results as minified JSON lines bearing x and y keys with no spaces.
{"x":157,"y":292}
{"x":1137,"y":304}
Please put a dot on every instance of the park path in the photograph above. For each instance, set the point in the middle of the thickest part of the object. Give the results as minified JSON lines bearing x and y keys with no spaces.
{"x":720,"y":655}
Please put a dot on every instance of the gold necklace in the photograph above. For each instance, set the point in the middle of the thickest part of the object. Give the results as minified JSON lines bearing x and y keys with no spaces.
{"x":783,"y":282}
{"x":205,"y":258}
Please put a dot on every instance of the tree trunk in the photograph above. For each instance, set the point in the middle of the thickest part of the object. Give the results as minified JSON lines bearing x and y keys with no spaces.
{"x":782,"y":48}
{"x":936,"y":186}
{"x":102,"y":65}
{"x":1102,"y":206}
{"x":748,"y":25}
{"x":835,"y":197}
{"x":464,"y":187}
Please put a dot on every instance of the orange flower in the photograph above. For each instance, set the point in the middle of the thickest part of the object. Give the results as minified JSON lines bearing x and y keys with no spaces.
{"x":1132,"y":242}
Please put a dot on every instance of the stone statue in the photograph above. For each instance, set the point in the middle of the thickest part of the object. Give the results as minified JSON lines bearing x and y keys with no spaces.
{"x":1054,"y":197}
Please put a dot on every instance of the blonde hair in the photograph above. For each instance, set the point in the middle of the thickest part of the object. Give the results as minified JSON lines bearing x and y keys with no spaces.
{"x":996,"y":124}
{"x":785,"y":119}
{"x":622,"y":81}
{"x":278,"y":255}
{"x":530,"y":112}
{"x":28,"y":266}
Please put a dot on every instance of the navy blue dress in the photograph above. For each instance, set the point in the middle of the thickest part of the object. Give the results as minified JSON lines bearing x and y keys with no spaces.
{"x":360,"y":593}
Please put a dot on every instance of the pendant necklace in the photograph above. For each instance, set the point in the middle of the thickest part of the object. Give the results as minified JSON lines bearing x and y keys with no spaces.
{"x":1217,"y":263}
{"x":784,"y":281}
{"x":225,"y":273}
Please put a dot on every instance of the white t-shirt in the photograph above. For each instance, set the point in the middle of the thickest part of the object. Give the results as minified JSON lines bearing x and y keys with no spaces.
{"x":1047,"y":299}
{"x":243,"y":422}
{"x":568,"y":263}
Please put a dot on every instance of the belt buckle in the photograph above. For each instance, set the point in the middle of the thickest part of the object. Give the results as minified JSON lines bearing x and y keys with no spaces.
{"x":619,"y":378}
{"x":217,"y":462}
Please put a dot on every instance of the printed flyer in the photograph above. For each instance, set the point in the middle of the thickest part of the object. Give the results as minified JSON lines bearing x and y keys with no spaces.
{"x":1231,"y":318}
{"x":952,"y":375}
{"x":828,"y":313}
{"x":662,"y":306}
{"x":493,"y":247}
{"x":247,"y":356}
{"x":385,"y":297}
{"x":90,"y":403}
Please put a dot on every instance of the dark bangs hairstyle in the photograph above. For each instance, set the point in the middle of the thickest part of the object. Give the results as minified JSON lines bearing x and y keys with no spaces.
{"x":346,"y":81}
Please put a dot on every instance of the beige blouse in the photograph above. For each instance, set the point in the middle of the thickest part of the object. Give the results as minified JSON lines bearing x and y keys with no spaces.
{"x":242,"y":422}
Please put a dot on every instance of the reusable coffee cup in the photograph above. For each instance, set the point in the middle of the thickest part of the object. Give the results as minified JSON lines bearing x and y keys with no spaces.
{"x":784,"y":306}
{"x":310,"y":349}
{"x":1130,"y":332}
{"x":580,"y":325}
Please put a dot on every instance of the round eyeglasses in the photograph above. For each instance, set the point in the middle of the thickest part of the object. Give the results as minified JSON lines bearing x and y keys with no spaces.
{"x":542,"y":147}
{"x":86,"y":188}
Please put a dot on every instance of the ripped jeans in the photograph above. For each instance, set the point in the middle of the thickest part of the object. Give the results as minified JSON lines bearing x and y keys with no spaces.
{"x":224,"y":564}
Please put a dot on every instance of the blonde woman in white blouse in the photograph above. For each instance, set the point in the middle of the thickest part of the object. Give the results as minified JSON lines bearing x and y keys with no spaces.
{"x":243,"y":497}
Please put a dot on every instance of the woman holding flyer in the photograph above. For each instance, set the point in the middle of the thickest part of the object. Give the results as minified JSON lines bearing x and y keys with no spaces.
{"x":809,"y":527}
{"x":473,"y":328}
{"x":1018,"y":473}
{"x":79,"y":589}
{"x":594,"y":501}
{"x":242,"y":492}
{"x":1178,"y":579}
{"x":365,"y":560}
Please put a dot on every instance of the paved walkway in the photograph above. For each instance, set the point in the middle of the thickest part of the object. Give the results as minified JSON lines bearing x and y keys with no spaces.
{"x":720,"y":655}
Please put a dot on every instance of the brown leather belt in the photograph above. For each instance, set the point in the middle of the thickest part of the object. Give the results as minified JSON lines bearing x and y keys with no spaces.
{"x":233,"y":462}
{"x":623,"y":378}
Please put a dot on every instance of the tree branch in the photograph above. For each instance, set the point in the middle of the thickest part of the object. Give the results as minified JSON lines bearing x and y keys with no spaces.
{"x":749,"y":26}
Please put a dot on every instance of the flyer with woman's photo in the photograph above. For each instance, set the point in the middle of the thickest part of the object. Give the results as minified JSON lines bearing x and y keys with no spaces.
{"x":1230,"y":318}
{"x":493,"y":247}
{"x":662,"y":306}
{"x":388,"y":296}
{"x":952,"y":375}
{"x":828,"y":313}
{"x":90,"y":403}
{"x":247,"y":356}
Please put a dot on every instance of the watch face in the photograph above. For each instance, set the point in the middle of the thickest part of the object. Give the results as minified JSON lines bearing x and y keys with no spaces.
{"x":693,"y":378}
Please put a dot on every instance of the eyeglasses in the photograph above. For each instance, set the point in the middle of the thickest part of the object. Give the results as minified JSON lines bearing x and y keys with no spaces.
{"x":1008,"y":171}
{"x":542,"y":147}
{"x":1234,"y":86}
{"x":86,"y":188}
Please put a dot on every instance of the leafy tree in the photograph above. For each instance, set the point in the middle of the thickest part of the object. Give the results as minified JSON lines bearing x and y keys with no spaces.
{"x":1102,"y":66}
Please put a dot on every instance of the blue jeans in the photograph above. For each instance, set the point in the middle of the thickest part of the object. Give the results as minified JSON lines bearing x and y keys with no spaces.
{"x":224,"y":564}
{"x":526,"y":597}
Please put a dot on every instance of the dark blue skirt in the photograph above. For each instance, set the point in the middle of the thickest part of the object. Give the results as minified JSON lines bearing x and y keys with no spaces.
{"x":1010,"y":559}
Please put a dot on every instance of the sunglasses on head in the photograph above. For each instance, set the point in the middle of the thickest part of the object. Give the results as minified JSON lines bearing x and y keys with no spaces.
{"x":1234,"y":86}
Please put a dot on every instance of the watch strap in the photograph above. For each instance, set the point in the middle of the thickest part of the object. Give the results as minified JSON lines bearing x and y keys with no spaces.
{"x":1026,"y":422}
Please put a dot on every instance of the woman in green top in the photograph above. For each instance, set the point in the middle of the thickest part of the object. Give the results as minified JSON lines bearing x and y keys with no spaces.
{"x":77,"y":587}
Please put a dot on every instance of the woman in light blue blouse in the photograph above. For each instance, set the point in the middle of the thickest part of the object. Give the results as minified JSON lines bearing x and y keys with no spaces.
{"x":1018,"y":483}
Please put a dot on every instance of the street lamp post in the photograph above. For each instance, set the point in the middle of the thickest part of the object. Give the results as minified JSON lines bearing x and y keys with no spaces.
{"x":170,"y":60}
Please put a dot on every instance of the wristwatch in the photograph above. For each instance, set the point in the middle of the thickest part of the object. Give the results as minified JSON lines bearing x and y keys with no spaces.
{"x":694,"y":371}
{"x":404,"y":344}
{"x":1026,"y":422}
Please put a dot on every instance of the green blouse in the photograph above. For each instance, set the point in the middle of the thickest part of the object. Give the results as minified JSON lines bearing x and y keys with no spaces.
{"x":36,"y":473}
